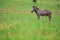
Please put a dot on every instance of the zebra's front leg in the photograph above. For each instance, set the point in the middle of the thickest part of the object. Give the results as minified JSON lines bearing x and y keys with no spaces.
{"x":38,"y":17}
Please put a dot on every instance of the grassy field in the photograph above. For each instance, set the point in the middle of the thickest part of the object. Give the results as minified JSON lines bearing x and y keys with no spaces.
{"x":18,"y":23}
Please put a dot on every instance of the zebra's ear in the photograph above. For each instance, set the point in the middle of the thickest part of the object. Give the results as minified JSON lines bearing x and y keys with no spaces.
{"x":33,"y":6}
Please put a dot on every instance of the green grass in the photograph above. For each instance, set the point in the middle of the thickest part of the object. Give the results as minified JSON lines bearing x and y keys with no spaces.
{"x":26,"y":26}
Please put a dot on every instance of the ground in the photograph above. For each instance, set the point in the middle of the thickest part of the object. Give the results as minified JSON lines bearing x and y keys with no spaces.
{"x":18,"y":23}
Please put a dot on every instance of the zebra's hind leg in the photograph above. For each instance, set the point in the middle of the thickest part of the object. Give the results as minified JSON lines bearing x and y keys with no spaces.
{"x":49,"y":18}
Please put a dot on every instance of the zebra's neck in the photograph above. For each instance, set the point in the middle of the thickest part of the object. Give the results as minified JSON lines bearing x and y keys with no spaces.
{"x":36,"y":10}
